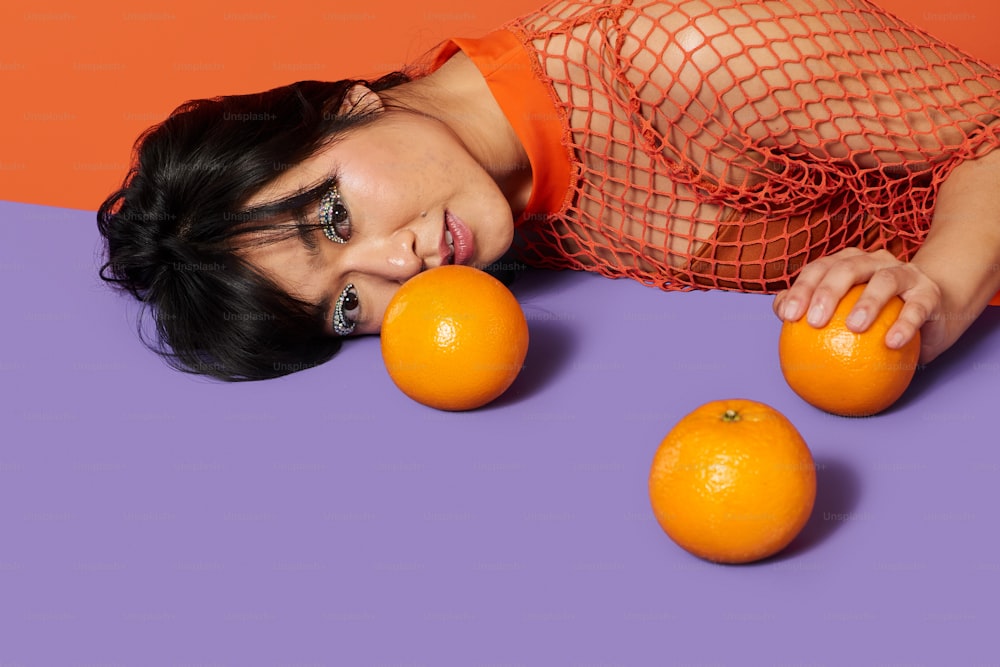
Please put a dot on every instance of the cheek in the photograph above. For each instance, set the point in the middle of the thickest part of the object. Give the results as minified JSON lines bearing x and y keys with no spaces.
{"x":501,"y":219}
{"x":374,"y":304}
{"x":381,"y":188}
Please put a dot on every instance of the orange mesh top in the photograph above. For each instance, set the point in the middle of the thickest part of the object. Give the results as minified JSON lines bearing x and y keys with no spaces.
{"x":724,"y":143}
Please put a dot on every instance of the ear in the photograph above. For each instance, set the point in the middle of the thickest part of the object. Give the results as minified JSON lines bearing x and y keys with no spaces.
{"x":360,"y":100}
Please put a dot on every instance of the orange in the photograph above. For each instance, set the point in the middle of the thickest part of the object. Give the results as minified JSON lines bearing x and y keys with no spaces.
{"x":733,"y":482}
{"x":454,"y":338}
{"x":843,"y":372}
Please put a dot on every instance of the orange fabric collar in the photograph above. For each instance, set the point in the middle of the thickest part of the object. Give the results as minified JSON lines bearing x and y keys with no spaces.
{"x":528,"y":105}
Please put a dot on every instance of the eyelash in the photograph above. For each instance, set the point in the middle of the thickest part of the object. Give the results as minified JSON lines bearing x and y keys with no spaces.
{"x":333,"y":212}
{"x":341,"y":325}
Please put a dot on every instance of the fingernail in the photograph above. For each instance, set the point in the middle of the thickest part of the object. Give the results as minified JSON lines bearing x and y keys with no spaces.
{"x":857,"y":319}
{"x":790,"y":310}
{"x":895,"y":340}
{"x":816,"y":315}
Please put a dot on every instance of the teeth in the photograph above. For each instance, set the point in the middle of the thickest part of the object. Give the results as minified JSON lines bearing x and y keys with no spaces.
{"x":447,"y":237}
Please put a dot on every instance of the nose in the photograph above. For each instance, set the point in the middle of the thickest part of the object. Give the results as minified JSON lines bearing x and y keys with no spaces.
{"x":393,"y":257}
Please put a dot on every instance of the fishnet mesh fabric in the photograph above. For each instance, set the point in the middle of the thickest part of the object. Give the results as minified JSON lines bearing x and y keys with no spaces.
{"x":724,"y":143}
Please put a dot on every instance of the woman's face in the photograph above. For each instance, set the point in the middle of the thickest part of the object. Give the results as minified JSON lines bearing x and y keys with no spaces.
{"x":405,"y":188}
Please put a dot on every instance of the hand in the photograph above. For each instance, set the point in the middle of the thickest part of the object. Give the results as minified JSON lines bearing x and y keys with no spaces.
{"x":821,"y":284}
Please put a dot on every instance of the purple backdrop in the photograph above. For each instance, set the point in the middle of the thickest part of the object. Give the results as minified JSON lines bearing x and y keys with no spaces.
{"x":152,"y":518}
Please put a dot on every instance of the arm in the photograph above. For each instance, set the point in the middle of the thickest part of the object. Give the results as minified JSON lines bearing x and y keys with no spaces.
{"x":843,"y":83}
{"x":946,"y":285}
{"x":882,"y":107}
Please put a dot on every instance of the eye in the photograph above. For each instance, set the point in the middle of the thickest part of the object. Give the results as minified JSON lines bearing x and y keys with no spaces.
{"x":334,"y":216}
{"x":345,"y":313}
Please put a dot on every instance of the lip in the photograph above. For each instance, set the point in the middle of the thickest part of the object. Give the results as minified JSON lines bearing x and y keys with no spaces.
{"x":461,"y":236}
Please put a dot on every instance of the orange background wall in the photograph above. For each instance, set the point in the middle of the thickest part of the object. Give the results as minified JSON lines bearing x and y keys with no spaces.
{"x":80,"y":81}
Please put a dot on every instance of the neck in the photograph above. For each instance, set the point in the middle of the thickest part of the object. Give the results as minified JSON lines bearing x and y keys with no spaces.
{"x":456,"y":94}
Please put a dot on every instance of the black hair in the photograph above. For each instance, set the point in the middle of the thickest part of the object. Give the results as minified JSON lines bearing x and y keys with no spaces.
{"x":172,"y":230}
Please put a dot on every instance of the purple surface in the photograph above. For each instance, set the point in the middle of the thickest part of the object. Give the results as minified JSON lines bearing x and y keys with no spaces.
{"x":152,"y":518}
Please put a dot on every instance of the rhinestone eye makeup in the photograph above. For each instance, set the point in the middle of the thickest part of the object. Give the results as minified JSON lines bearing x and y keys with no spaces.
{"x":332,"y":216}
{"x":349,"y":299}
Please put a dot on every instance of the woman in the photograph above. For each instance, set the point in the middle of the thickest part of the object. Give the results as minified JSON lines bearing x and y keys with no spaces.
{"x":705,"y":144}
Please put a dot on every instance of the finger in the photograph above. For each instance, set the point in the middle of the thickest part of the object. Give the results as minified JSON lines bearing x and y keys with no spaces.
{"x":921,"y":312}
{"x":778,"y":303}
{"x":787,"y":304}
{"x":794,"y":303}
{"x":911,"y":319}
{"x":792,"y":306}
{"x":840,"y":277}
{"x":883,"y":285}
